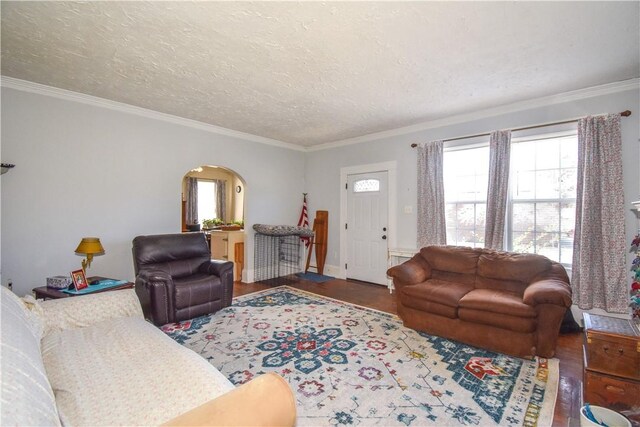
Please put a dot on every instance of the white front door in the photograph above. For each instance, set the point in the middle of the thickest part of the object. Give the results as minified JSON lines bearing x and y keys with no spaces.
{"x":367,"y":206}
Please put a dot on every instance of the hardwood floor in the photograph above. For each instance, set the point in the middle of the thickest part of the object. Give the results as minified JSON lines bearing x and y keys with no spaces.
{"x":569,"y":350}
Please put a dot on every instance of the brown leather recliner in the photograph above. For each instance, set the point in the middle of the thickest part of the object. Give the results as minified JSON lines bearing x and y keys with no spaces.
{"x":176,"y":279}
{"x":506,"y":302}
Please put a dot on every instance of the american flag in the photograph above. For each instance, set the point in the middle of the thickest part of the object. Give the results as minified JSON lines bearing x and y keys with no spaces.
{"x":304,"y":220}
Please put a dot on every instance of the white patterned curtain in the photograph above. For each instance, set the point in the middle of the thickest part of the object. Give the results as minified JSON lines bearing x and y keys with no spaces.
{"x":191,"y":214}
{"x":498,"y":189}
{"x":599,"y":269}
{"x":431,"y":219}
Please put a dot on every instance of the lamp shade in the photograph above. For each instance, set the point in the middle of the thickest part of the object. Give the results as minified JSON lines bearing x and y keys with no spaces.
{"x":90,"y":245}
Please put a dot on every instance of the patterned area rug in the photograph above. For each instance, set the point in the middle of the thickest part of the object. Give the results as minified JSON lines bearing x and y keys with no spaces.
{"x":349,"y":365}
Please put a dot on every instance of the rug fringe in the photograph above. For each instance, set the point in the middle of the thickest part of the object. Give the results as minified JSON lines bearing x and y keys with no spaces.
{"x":553,"y":382}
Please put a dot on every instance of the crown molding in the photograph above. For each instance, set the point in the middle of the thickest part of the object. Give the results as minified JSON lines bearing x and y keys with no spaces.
{"x":576,"y":95}
{"x":605,"y":89}
{"x":40,"y":89}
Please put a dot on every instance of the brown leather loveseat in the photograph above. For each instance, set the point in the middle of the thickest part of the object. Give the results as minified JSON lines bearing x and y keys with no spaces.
{"x":505,"y":302}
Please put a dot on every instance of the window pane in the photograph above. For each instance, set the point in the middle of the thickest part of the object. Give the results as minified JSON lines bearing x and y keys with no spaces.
{"x":451,"y":234}
{"x":481,"y":215}
{"x":206,"y":200}
{"x":465,"y":186}
{"x":547,"y":244}
{"x":566,"y":249}
{"x":569,"y":152}
{"x":568,"y":183}
{"x":466,"y":216}
{"x":547,"y":184}
{"x":365,"y":185}
{"x":548,"y":217}
{"x":523,"y":155}
{"x":547,"y":154}
{"x":523,"y":217}
{"x":524,"y":186}
{"x":568,"y":218}
{"x":523,"y":242}
{"x":543,"y":191}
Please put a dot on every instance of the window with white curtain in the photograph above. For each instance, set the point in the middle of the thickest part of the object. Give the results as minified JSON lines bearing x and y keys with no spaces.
{"x":542,"y":202}
{"x":206,"y":199}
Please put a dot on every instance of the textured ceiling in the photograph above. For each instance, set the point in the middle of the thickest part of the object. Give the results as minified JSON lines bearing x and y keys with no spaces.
{"x":310,"y":73}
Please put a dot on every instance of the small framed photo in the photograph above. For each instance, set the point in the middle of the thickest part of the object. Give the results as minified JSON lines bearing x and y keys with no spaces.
{"x":79,"y":280}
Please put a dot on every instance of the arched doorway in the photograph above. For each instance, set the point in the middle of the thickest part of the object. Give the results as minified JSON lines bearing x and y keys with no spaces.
{"x":213,"y":202}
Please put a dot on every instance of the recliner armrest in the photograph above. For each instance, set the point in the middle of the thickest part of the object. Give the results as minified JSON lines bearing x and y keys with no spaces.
{"x":216,"y":267}
{"x":548,"y":291}
{"x":224,"y":270}
{"x":154,"y":277}
{"x":155,"y":290}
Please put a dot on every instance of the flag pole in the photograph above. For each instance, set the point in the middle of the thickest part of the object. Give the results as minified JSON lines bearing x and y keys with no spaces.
{"x":304,"y":222}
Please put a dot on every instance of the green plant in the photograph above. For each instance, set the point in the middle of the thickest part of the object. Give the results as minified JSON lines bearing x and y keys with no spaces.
{"x":210,"y":223}
{"x":238,"y":222}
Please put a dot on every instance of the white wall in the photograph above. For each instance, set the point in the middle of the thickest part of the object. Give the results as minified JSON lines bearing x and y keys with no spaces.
{"x":323,"y":167}
{"x":84,"y":170}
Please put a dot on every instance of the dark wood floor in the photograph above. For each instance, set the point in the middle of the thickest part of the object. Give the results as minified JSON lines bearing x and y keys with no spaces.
{"x":569,"y":349}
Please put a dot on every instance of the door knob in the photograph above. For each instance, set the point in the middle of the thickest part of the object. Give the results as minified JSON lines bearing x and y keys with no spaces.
{"x":384,"y":237}
{"x":384,"y":228}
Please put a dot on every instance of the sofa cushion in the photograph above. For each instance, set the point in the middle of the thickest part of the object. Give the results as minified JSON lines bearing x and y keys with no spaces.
{"x":512,"y":266}
{"x":439,"y":291}
{"x":489,"y":300}
{"x":197,"y":289}
{"x":429,"y":306}
{"x":27,"y":397}
{"x":502,"y":321}
{"x":513,"y":286}
{"x":455,"y":259}
{"x":126,"y":372}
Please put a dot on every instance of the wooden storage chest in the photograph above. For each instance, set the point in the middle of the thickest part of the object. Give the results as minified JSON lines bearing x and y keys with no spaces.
{"x":612,"y":363}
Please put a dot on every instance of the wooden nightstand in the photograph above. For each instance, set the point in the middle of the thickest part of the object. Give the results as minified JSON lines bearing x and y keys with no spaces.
{"x":44,"y":292}
{"x":612,"y":363}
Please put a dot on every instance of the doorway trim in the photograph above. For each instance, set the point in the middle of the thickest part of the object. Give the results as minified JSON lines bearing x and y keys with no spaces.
{"x":391,"y":169}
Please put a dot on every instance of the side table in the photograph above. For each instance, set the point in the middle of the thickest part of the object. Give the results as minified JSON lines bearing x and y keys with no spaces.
{"x":612,"y":364}
{"x":44,"y":292}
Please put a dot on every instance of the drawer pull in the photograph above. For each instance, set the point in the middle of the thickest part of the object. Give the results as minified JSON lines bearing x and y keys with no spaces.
{"x":606,"y":350}
{"x":614,"y":389}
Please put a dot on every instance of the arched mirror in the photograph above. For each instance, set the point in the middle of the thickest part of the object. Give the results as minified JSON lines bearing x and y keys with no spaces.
{"x":213,"y":202}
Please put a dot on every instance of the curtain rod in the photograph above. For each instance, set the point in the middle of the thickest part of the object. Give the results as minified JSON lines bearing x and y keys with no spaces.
{"x":625,"y":113}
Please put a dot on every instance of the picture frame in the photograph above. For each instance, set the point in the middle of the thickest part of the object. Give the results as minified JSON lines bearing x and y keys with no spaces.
{"x":79,"y":280}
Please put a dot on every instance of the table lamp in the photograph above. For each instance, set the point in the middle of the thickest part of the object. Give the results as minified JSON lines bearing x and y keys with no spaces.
{"x":89,"y":246}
